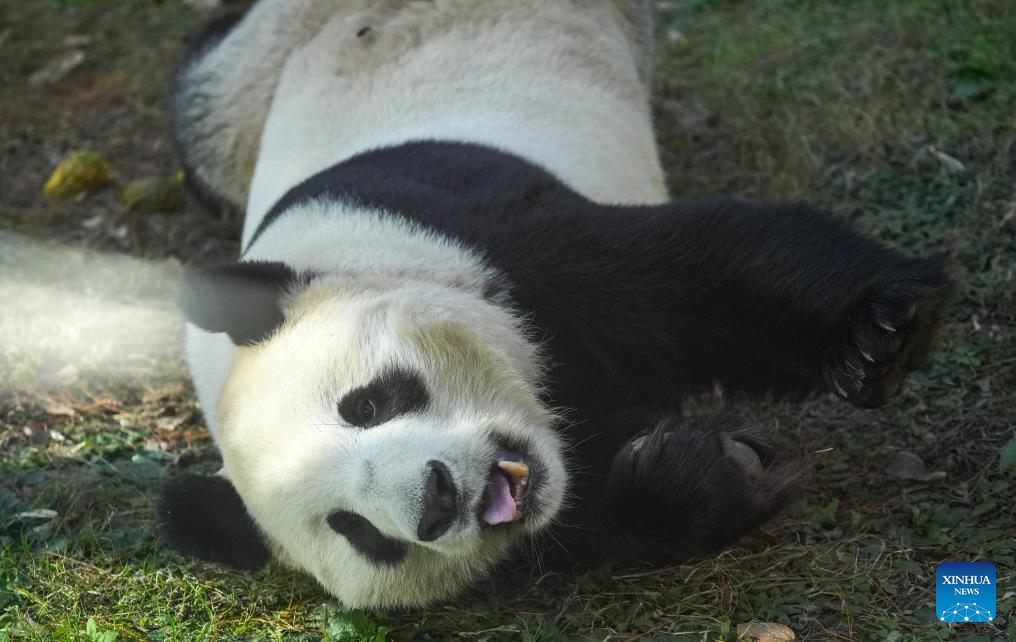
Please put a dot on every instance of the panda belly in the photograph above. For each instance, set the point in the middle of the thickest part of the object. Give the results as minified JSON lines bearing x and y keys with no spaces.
{"x":341,"y":94}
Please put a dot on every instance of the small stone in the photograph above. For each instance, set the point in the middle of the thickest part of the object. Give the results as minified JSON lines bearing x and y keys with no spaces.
{"x":38,"y":435}
{"x":903,"y":464}
{"x":675,"y":36}
{"x":156,"y":446}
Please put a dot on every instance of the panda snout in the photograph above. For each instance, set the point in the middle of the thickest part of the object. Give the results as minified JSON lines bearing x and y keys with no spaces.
{"x":440,"y":502}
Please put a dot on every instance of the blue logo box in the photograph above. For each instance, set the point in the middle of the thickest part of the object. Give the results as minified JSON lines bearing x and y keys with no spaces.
{"x":965,"y":592}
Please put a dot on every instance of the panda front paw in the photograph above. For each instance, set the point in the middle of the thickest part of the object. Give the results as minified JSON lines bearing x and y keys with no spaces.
{"x":694,"y":486}
{"x":888,"y":334}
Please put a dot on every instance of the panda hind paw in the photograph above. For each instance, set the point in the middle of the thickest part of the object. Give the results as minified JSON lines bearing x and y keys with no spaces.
{"x":696,"y":485}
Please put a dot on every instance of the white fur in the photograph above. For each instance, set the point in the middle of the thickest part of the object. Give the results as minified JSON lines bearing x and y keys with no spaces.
{"x":586,"y":119}
{"x":356,"y":243}
{"x":560,"y":83}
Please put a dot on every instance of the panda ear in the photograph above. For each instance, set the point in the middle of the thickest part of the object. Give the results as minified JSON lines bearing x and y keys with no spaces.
{"x":203,"y":516}
{"x":240,"y":299}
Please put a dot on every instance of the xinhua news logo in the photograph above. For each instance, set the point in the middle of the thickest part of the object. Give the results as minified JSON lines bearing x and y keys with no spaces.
{"x":965,"y":592}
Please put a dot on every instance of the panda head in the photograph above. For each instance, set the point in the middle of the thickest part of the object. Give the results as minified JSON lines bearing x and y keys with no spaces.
{"x":388,"y":439}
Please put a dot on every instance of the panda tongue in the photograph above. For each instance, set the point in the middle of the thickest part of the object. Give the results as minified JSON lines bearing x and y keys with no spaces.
{"x":500,"y":503}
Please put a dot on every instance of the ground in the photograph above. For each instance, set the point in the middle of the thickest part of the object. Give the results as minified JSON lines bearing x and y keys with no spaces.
{"x":895,"y":115}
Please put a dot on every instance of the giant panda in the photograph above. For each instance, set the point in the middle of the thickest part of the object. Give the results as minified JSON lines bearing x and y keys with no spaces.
{"x":466,"y":308}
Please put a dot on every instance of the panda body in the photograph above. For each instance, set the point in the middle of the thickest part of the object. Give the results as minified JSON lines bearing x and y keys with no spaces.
{"x":340,"y":81}
{"x":466,"y":309}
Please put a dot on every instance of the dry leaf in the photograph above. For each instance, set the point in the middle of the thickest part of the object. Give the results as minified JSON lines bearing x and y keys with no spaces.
{"x":951,"y":163}
{"x":162,"y":392}
{"x":765,"y":632}
{"x":55,"y":71}
{"x":60,"y":410}
{"x":40,"y":513}
{"x":82,"y":171}
{"x":101,"y":405}
{"x":77,"y":40}
{"x":153,"y":194}
{"x":169,"y":424}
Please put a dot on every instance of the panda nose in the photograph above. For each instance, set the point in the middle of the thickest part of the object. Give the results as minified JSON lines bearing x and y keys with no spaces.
{"x":439,"y":502}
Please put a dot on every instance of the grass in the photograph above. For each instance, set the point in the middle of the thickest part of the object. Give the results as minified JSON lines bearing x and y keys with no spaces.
{"x":896,"y":115}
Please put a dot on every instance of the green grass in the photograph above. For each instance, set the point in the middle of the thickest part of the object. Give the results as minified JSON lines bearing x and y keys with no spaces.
{"x":897,"y":115}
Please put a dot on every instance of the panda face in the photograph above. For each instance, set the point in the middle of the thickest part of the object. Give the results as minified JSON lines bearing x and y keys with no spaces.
{"x":390,"y":440}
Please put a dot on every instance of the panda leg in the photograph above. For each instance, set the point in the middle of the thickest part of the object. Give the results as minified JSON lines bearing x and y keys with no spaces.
{"x":222,"y":91}
{"x":786,"y":299}
{"x":678,"y":488}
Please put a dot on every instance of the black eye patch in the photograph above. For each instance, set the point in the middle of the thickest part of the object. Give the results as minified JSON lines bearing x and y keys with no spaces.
{"x":367,"y":539}
{"x":394,"y":393}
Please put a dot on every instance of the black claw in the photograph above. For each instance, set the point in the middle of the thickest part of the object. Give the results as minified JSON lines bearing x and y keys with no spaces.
{"x":889,"y":335}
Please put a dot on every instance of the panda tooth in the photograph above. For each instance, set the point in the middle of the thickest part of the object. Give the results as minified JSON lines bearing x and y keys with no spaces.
{"x":516,"y":469}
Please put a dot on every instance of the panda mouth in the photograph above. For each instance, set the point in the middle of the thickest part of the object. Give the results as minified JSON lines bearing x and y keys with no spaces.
{"x":504,"y":498}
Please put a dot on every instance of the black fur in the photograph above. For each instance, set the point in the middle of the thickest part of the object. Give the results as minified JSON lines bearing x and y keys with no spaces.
{"x":240,"y":299}
{"x":644,"y":302}
{"x":637,"y":305}
{"x":393,"y":393}
{"x":367,"y":539}
{"x":204,"y":516}
{"x":671,"y":492}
